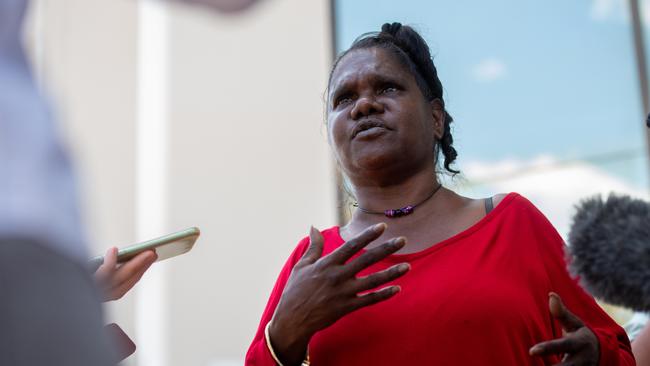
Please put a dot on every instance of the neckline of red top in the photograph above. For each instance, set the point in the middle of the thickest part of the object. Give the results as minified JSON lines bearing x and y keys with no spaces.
{"x":441,"y":244}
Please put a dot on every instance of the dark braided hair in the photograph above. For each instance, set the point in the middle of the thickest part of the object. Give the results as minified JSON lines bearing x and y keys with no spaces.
{"x":413,"y":52}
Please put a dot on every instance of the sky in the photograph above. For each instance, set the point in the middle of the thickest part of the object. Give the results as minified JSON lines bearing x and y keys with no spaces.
{"x":544,"y":93}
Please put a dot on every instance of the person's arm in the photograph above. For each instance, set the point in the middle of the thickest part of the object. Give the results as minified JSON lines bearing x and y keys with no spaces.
{"x":258,"y":353}
{"x":613,"y":345}
{"x":641,"y":347}
{"x":114,"y":281}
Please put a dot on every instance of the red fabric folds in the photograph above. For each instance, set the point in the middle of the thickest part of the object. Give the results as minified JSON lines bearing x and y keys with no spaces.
{"x":477,"y":298}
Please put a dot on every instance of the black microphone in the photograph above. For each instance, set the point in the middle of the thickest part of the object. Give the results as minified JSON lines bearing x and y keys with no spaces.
{"x":609,"y":242}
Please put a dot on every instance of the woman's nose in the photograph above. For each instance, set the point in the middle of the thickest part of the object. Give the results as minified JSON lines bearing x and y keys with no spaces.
{"x":366,"y":106}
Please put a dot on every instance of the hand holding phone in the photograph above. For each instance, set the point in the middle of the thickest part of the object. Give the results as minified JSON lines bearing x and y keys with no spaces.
{"x":118,"y":271}
{"x":115,"y":281}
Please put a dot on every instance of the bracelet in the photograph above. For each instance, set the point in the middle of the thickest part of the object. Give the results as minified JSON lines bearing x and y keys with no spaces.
{"x":305,"y":362}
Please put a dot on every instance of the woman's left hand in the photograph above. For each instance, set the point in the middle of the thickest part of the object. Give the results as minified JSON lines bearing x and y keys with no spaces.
{"x":115,"y":280}
{"x":579,"y":345}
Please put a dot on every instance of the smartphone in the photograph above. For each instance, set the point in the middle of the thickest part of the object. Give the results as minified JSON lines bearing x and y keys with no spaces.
{"x":165,"y":247}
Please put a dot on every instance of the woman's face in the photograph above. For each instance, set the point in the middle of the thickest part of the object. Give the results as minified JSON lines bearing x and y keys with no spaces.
{"x":378,"y":119}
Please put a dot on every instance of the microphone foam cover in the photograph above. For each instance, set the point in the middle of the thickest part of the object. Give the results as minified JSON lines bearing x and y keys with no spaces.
{"x":610,"y":246}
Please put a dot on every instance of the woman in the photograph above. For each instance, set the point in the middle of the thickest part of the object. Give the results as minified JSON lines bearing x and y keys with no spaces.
{"x":449,"y":280}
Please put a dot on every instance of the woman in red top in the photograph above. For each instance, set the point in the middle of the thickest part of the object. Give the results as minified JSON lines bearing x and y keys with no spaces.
{"x":449,"y":280}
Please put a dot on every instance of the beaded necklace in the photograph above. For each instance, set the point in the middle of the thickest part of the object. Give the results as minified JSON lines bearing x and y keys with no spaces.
{"x":399,"y":212}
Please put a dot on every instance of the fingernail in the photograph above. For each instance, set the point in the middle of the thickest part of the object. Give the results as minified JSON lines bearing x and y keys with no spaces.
{"x":533,"y":350}
{"x":403,"y":267}
{"x":379,"y":227}
{"x":553,"y":296}
{"x":399,"y":241}
{"x":396,"y":289}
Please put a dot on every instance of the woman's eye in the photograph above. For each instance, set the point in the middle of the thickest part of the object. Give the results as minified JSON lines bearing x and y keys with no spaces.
{"x":389,"y":89}
{"x":343,"y":101}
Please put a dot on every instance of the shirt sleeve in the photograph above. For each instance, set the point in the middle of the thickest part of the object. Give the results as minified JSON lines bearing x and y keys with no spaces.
{"x":38,"y":197}
{"x":258,"y":353}
{"x":615,"y":349}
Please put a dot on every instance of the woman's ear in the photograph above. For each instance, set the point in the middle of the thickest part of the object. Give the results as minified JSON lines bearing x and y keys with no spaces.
{"x":438,"y":113}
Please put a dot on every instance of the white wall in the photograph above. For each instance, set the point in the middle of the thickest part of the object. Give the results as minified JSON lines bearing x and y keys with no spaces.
{"x":247,"y":162}
{"x":250,"y":164}
{"x":84,"y":52}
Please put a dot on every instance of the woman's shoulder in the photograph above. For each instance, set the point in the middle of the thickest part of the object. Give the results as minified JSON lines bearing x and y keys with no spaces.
{"x":515,"y":207}
{"x":513,"y":199}
{"x":520,"y":209}
{"x":498,"y":202}
{"x":497,"y":198}
{"x":523,"y":203}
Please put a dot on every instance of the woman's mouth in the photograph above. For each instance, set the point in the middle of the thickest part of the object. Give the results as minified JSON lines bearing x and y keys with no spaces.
{"x":368,"y":129}
{"x":370,"y":133}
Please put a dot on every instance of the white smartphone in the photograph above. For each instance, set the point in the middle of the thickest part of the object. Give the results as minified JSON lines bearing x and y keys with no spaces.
{"x":165,"y":247}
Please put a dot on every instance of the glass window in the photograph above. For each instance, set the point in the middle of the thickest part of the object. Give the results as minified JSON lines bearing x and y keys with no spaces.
{"x":544,"y":94}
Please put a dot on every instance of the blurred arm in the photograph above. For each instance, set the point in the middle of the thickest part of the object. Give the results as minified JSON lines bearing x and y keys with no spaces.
{"x":641,"y":347}
{"x":226,"y":6}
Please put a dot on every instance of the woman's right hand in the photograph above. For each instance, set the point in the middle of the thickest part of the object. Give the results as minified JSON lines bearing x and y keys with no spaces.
{"x":322,"y":290}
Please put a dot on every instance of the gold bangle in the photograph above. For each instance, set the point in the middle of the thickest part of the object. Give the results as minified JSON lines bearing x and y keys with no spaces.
{"x":305,"y":362}
{"x":269,"y":346}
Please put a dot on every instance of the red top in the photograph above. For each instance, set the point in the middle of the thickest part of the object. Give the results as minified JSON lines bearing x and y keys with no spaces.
{"x":477,"y":298}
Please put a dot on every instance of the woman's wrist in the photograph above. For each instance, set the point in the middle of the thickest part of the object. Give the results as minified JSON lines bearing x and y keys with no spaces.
{"x":287,"y":345}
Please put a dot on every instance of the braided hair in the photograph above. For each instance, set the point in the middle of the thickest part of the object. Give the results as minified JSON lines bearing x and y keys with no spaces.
{"x":413,"y":52}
